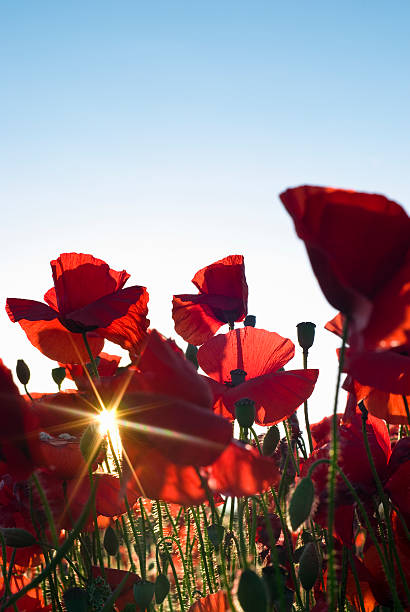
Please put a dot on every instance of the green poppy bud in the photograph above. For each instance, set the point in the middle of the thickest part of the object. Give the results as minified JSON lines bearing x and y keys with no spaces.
{"x":91,"y":443}
{"x":17,"y":538}
{"x":301,"y":503}
{"x":161,"y":588}
{"x":252,"y":592}
{"x":306,"y":334}
{"x":270,"y":441}
{"x":143,"y":594}
{"x":111,"y":543}
{"x":309,"y":566}
{"x":76,"y":600}
{"x":191,"y":353}
{"x":216,"y":534}
{"x":58,"y":375}
{"x":249,"y":321}
{"x":23,"y":372}
{"x":245,"y":412}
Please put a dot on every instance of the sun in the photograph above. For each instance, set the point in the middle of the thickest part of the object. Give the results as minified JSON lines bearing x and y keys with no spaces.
{"x":107,"y":420}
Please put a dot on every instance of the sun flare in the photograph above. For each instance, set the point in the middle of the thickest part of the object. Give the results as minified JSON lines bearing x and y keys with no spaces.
{"x":108,"y":427}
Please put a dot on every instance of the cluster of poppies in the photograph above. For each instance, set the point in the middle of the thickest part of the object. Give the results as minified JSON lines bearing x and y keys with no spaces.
{"x":176,"y":431}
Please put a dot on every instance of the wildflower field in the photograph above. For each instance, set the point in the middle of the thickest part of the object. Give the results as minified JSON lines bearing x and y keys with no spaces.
{"x":193,"y":480}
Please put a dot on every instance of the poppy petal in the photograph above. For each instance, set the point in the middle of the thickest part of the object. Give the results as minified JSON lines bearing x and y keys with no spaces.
{"x":385,"y":370}
{"x":80,"y":279}
{"x":29,"y":310}
{"x":224,"y":277}
{"x":276,"y":395}
{"x":194,"y":320}
{"x":256,"y":351}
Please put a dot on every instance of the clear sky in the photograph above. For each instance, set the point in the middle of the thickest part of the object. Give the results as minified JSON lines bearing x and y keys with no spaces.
{"x":157,"y":136}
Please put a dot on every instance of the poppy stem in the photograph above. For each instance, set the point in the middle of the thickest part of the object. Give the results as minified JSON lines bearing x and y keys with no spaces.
{"x":332,"y":478}
{"x":90,"y":354}
{"x":305,"y":405}
{"x":406,"y":407}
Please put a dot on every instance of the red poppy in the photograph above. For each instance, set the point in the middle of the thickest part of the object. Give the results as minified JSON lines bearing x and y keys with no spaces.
{"x":358,"y":245}
{"x":260,"y":355}
{"x":87,"y":297}
{"x":107,"y":366}
{"x":398,"y":482}
{"x":384,"y":405}
{"x":14,"y":448}
{"x":33,"y":601}
{"x":222,"y":298}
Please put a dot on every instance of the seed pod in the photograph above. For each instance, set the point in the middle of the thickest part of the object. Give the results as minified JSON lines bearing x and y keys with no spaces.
{"x":309,"y":566}
{"x":58,"y":375}
{"x":23,"y":372}
{"x":17,"y":538}
{"x":76,"y":600}
{"x":252,"y":592}
{"x":143,"y":594}
{"x":245,"y":412}
{"x":249,"y":321}
{"x":270,"y":441}
{"x":111,"y":543}
{"x":161,"y":588}
{"x":306,"y":334}
{"x":301,"y":503}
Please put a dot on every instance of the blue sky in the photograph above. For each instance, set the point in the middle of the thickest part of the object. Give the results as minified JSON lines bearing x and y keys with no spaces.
{"x":157,"y":137}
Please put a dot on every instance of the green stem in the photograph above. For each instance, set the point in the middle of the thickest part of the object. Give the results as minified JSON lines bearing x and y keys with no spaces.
{"x":91,"y":356}
{"x":305,"y":405}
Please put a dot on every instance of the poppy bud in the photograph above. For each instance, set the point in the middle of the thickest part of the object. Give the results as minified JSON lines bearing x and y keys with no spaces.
{"x":58,"y":375}
{"x":252,"y":592}
{"x":111,"y":543}
{"x":91,"y":443}
{"x":161,"y":588}
{"x":270,"y":441}
{"x":23,"y":372}
{"x":306,"y":334}
{"x":76,"y":600}
{"x":301,"y":502}
{"x":143,"y":594}
{"x":17,"y":538}
{"x":237,"y":377}
{"x":245,"y":412}
{"x":190,"y":354}
{"x":250,"y":321}
{"x":216,"y":534}
{"x":309,"y":566}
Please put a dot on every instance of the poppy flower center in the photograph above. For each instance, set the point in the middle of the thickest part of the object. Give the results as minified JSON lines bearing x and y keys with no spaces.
{"x":237,"y":377}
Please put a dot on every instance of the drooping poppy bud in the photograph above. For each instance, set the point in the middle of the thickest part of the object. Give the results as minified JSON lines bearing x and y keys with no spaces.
{"x":58,"y":375}
{"x":76,"y":600}
{"x":17,"y":538}
{"x":270,"y":441}
{"x":23,"y":372}
{"x":190,"y":354}
{"x":161,"y":588}
{"x":306,"y":334}
{"x":111,"y":543}
{"x":245,"y":412}
{"x":143,"y":594}
{"x":250,"y":321}
{"x":216,"y":534}
{"x":301,"y":502}
{"x":252,"y":593}
{"x":309,"y":566}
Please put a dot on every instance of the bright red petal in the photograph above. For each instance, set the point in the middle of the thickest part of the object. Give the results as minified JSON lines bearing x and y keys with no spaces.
{"x":29,"y":310}
{"x":53,"y":340}
{"x":385,"y":370}
{"x":224,"y":277}
{"x":241,"y":470}
{"x":276,"y":396}
{"x":215,"y":602}
{"x":194,"y":320}
{"x":256,"y":351}
{"x":80,"y":279}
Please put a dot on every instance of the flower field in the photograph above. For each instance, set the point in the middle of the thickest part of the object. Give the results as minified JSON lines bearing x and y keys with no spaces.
{"x":195,"y":480}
